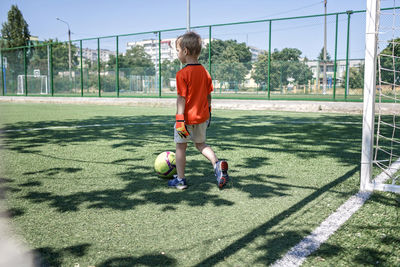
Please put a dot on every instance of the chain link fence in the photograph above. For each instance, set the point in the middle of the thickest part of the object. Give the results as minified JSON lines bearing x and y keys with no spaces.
{"x":265,"y":59}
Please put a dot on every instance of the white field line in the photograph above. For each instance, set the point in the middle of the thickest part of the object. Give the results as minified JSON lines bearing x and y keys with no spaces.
{"x":298,"y":254}
{"x":165,"y":122}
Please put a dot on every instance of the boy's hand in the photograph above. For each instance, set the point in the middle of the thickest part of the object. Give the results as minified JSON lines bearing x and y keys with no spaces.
{"x":180,"y":126}
{"x":209,"y":119}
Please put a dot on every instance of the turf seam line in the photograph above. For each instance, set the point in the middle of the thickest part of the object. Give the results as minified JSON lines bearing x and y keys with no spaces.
{"x":167,"y":122}
{"x":298,"y":254}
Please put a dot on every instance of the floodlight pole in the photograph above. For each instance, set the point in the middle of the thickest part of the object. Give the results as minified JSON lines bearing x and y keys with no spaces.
{"x":188,"y":16}
{"x":69,"y":46}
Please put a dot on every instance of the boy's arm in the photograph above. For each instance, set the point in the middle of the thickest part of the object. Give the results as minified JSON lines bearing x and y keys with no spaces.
{"x":180,"y":105}
{"x":180,"y":117}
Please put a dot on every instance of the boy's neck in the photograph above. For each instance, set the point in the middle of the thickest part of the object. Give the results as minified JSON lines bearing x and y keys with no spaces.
{"x":191,"y":60}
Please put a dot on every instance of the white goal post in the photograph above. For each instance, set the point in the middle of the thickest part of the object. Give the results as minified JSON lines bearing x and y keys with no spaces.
{"x":36,"y":84}
{"x":389,"y":167}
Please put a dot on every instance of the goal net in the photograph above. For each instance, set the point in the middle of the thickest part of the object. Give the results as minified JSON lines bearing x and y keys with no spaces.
{"x":380,"y":160}
{"x":36,"y":84}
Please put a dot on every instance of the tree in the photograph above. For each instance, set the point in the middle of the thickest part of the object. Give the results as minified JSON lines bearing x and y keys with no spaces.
{"x":39,"y":58}
{"x":260,"y":71}
{"x":231,"y":61}
{"x":239,"y":50}
{"x":287,"y":54}
{"x":290,"y":66}
{"x":321,"y":55}
{"x":388,"y":62}
{"x":136,"y":61}
{"x":60,"y":56}
{"x":15,"y":31}
{"x":169,"y":69}
{"x":356,"y":77}
{"x":284,"y":64}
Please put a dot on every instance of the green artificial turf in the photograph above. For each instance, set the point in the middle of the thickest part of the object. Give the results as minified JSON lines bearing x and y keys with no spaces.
{"x":370,"y":238}
{"x":83,"y":190}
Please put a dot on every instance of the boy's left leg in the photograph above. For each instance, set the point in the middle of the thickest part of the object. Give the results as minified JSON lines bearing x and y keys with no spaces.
{"x":207,"y":152}
{"x":221,"y":172}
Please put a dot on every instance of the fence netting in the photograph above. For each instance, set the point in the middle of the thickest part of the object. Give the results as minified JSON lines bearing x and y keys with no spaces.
{"x":269,"y":59}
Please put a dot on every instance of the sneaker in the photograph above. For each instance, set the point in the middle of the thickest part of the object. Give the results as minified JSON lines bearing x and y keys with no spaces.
{"x":178,"y":184}
{"x":221,"y":172}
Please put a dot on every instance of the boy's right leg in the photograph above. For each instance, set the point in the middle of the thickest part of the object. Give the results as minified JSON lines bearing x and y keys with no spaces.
{"x":179,"y":180}
{"x":180,"y":157}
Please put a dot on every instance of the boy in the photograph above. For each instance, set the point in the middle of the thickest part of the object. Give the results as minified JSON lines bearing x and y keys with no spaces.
{"x":193,"y":110}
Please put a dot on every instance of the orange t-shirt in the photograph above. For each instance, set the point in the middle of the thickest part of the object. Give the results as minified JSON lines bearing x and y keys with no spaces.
{"x":194,"y":83}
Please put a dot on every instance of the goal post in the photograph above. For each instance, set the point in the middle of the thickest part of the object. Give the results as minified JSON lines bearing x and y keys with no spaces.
{"x":371,"y":44}
{"x":388,"y":161}
{"x":36,"y":83}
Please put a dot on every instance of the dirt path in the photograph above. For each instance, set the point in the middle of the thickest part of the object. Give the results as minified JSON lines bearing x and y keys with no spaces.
{"x":281,"y":105}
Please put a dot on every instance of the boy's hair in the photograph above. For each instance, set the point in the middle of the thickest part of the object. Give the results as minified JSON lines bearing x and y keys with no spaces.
{"x":191,"y":41}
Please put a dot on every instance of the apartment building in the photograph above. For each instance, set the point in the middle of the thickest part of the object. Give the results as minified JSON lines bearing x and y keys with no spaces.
{"x":317,"y":69}
{"x":91,"y":54}
{"x":168,"y":48}
{"x":255,"y":52}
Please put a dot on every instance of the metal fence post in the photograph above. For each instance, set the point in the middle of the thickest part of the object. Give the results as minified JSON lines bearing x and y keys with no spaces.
{"x":51,"y":69}
{"x":159,"y":64}
{"x":25,"y":74}
{"x":116,"y":66}
{"x":349,"y":12}
{"x":98,"y":66}
{"x":269,"y":61}
{"x":81,"y":74}
{"x":2,"y":74}
{"x":209,"y":50}
{"x":335,"y":62}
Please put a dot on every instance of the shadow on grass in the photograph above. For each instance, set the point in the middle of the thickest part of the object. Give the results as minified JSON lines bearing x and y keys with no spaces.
{"x":369,"y":257}
{"x":282,"y":134}
{"x":243,"y":132}
{"x":276,"y":246}
{"x":53,"y":171}
{"x":54,"y":257}
{"x":13,"y":212}
{"x":145,"y":260}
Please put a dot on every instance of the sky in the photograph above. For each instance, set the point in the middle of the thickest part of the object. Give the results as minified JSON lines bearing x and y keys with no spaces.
{"x":96,"y":18}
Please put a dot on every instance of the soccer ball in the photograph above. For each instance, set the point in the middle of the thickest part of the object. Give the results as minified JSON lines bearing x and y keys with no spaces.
{"x":165,"y":165}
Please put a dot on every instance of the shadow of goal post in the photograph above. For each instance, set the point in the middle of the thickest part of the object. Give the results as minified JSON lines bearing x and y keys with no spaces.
{"x":368,"y":129}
